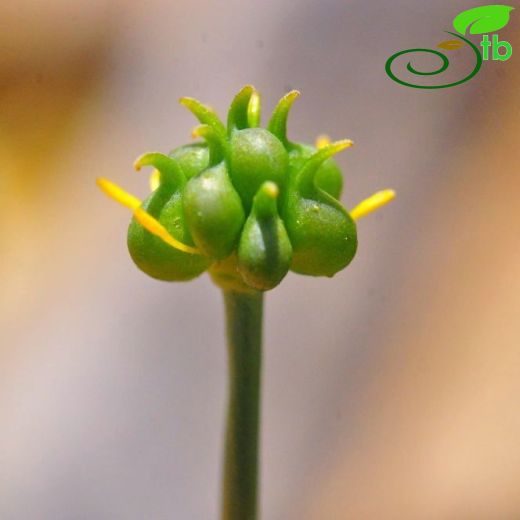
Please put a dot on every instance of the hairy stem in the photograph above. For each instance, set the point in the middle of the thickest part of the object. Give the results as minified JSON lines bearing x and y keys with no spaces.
{"x":244,"y":335}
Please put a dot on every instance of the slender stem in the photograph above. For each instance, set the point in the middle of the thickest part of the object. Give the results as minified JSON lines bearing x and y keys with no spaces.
{"x":244,"y":334}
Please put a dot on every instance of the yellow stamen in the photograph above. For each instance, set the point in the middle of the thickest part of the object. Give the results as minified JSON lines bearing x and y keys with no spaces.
{"x":374,"y":202}
{"x":155,"y":179}
{"x":118,"y":194}
{"x":156,"y":228}
{"x":321,"y":141}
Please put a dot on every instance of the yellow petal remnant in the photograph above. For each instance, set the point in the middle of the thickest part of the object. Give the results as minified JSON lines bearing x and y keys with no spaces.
{"x":451,"y":45}
{"x":321,"y":141}
{"x":145,"y":219}
{"x":374,"y":202}
{"x":118,"y":194}
{"x":156,"y":228}
{"x":155,"y":179}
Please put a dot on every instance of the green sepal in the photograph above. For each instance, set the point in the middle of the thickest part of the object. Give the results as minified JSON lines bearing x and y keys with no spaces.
{"x":278,"y":122}
{"x":239,"y":114}
{"x":205,"y":114}
{"x":170,"y":174}
{"x":264,"y":250}
{"x":217,"y":144}
{"x":322,"y":233}
{"x":214,"y":211}
{"x":328,"y":176}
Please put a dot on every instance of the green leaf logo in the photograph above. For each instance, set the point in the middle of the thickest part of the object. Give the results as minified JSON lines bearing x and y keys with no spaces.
{"x":484,"y":19}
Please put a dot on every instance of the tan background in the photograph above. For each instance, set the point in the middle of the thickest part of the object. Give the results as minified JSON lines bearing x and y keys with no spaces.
{"x":390,"y":392}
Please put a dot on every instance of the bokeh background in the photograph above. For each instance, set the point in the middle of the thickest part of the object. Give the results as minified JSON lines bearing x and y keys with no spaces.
{"x":390,"y":392}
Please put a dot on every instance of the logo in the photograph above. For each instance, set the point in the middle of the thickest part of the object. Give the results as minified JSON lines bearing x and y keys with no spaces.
{"x":479,"y":20}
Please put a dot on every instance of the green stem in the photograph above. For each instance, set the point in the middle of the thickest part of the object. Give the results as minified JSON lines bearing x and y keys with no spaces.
{"x":244,"y":334}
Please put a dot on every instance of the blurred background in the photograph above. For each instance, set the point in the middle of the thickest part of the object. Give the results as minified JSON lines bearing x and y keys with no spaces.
{"x":390,"y":392}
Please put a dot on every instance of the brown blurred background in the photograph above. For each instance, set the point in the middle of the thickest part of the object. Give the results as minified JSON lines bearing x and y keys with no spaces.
{"x":390,"y":392}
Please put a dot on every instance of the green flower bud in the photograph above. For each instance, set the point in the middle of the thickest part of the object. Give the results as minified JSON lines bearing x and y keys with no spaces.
{"x":264,"y":251}
{"x":322,"y":233}
{"x":151,"y":254}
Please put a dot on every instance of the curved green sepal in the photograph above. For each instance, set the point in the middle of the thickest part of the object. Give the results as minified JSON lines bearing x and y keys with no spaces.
{"x":214,"y":211}
{"x":239,"y":112}
{"x":328,"y":176}
{"x":205,"y":114}
{"x":305,"y":178}
{"x":264,"y":250}
{"x":217,"y":144}
{"x":278,"y":122}
{"x":171,"y":176}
